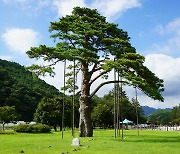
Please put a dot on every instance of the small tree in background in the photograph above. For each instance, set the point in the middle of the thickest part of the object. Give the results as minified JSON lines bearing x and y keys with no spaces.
{"x":49,"y":112}
{"x":102,"y":116}
{"x":175,"y":115}
{"x":7,"y":114}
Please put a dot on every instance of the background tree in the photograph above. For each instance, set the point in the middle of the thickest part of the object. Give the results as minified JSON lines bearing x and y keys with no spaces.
{"x":102,"y":114}
{"x":138,"y":111}
{"x":49,"y":112}
{"x":175,"y":115}
{"x":6,"y":83}
{"x":98,"y":47}
{"x":7,"y":114}
{"x":162,"y":117}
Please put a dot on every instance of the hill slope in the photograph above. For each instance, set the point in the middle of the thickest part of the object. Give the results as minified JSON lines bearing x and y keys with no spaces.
{"x":22,"y":89}
{"x":149,"y":110}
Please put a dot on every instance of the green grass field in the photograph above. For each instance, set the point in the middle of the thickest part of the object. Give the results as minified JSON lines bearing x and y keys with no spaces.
{"x":103,"y":142}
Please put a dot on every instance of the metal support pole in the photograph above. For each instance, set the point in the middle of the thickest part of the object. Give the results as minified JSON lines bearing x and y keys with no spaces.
{"x":73,"y":101}
{"x":118,"y":102}
{"x":137,"y":117}
{"x":115,"y":104}
{"x":63,"y":99}
{"x":122,"y":134}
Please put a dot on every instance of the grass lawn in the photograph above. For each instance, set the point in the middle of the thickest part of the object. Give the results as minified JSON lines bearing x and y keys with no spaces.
{"x":103,"y":142}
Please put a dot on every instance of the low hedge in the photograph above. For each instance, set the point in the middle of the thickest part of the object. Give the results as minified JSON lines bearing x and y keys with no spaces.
{"x":41,"y":128}
{"x":7,"y":132}
{"x":38,"y":128}
{"x":24,"y":128}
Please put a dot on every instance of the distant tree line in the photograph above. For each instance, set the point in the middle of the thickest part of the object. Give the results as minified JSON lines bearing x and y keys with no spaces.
{"x":166,"y":117}
{"x":103,"y":110}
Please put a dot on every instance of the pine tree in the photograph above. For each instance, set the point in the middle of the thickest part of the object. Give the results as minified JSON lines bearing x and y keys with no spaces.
{"x":98,"y":47}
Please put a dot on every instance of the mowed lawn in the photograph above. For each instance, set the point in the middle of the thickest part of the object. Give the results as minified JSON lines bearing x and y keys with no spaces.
{"x":103,"y":142}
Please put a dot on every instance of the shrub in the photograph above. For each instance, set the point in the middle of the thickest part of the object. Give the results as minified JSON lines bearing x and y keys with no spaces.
{"x":38,"y":128}
{"x":24,"y":128}
{"x":41,"y":128}
{"x":7,"y":132}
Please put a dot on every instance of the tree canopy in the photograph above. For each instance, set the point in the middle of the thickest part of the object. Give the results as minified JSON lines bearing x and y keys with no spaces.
{"x":175,"y":115}
{"x":160,"y":117}
{"x":7,"y":114}
{"x":85,"y":36}
{"x":49,"y":111}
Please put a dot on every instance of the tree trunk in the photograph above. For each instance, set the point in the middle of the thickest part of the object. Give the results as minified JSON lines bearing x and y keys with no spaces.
{"x":3,"y":125}
{"x":60,"y":127}
{"x":85,"y":123}
{"x":55,"y":128}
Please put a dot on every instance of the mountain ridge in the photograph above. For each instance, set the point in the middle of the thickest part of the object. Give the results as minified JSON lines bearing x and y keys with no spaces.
{"x":149,"y":110}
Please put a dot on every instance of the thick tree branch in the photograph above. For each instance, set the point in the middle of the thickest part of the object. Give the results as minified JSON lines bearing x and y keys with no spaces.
{"x":104,"y":83}
{"x":72,"y":43}
{"x":94,"y":69}
{"x":70,"y":40}
{"x":98,"y":76}
{"x":54,"y":63}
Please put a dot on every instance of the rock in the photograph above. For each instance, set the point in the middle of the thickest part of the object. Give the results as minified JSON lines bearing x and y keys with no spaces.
{"x":21,"y":151}
{"x":75,"y":142}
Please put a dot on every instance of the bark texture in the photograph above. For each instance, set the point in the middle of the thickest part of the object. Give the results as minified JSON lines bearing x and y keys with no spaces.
{"x":85,"y":122}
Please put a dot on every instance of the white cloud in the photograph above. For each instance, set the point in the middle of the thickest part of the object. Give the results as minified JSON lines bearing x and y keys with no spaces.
{"x":110,"y":9}
{"x":166,"y":68}
{"x":172,"y":26}
{"x":29,"y":7}
{"x":171,"y":43}
{"x":169,"y":47}
{"x":14,"y":1}
{"x":6,"y":57}
{"x":65,"y":7}
{"x":114,"y":8}
{"x":20,"y":40}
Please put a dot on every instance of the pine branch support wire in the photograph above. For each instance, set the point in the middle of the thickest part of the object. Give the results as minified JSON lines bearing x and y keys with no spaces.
{"x":73,"y":101}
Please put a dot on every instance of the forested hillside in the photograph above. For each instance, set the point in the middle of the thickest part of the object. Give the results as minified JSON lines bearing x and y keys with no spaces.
{"x":22,"y":89}
{"x":149,"y":110}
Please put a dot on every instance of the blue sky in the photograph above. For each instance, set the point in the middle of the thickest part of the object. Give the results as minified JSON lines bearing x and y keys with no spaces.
{"x":153,"y":25}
